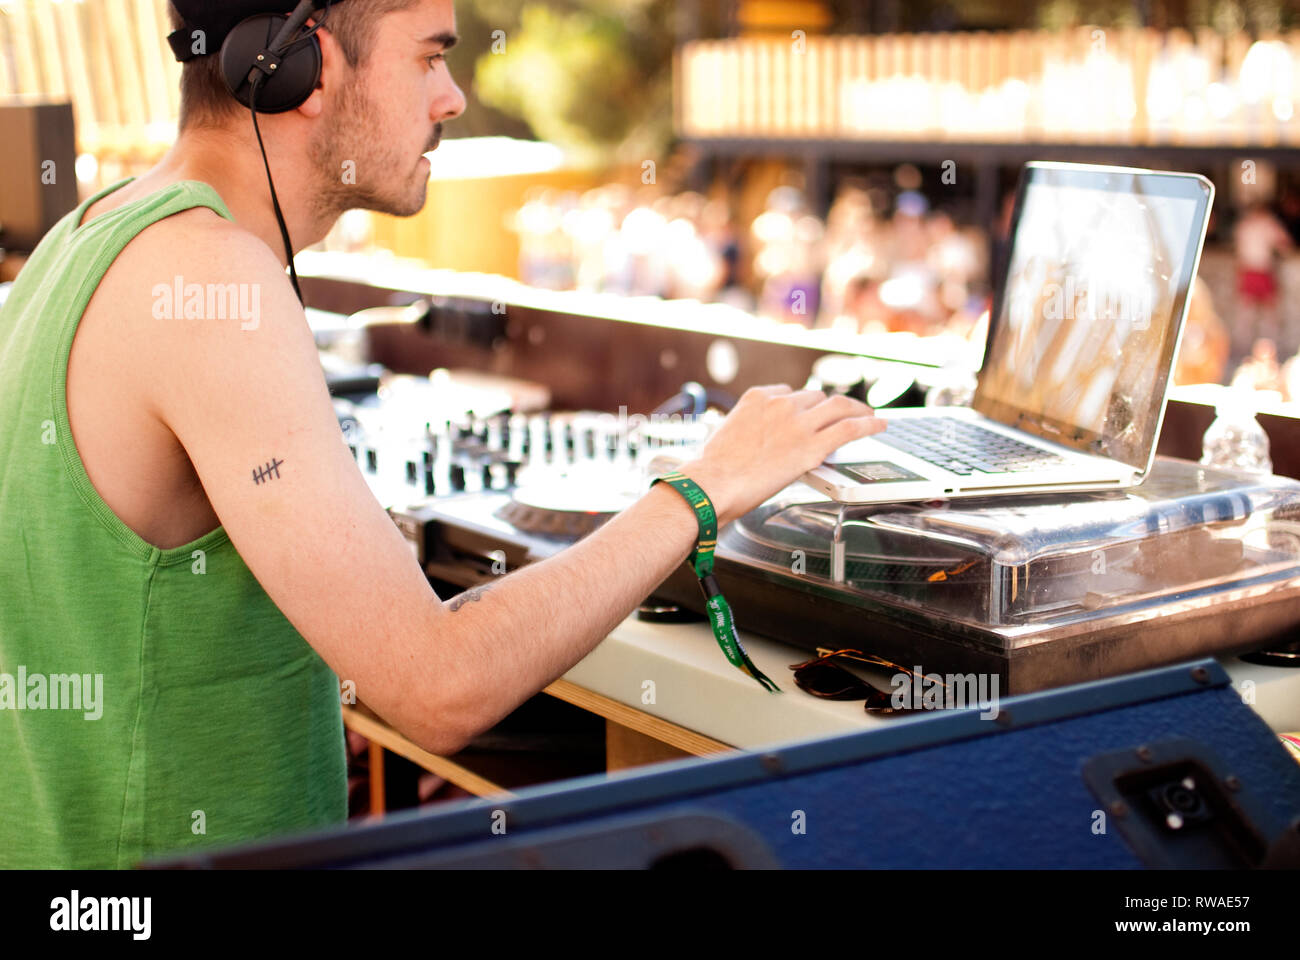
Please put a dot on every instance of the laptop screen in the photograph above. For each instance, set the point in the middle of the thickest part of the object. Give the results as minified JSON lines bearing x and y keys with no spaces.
{"x":1086,"y":326}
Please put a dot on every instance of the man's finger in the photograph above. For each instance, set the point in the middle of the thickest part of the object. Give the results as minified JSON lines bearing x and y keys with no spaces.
{"x":804,"y":400}
{"x":831,"y":409}
{"x":850,"y":429}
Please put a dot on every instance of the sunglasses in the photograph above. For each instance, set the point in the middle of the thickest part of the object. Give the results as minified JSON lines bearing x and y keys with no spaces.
{"x":824,"y":677}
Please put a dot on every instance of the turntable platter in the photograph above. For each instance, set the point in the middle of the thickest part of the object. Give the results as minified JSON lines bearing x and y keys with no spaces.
{"x":798,"y":536}
{"x":566,"y":507}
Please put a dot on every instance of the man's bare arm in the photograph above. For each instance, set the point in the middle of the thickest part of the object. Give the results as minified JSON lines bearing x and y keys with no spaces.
{"x":251,"y":409}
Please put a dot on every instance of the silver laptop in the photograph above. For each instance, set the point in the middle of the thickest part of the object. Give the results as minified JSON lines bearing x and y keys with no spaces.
{"x":1082,"y":340}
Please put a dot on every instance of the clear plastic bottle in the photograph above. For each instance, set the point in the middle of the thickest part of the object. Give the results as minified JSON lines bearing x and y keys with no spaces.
{"x":1235,"y":440}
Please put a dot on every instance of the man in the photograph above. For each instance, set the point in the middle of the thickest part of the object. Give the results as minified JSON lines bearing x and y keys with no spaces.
{"x":183,"y":534}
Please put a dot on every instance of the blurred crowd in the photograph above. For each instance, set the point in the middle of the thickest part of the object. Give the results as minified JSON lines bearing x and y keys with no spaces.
{"x":879,"y":261}
{"x":611,"y":239}
{"x":866,"y":267}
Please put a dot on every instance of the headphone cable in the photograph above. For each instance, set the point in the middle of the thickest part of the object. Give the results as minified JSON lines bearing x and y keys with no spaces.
{"x":325,"y":13}
{"x":270,"y":181}
{"x":275,"y":200}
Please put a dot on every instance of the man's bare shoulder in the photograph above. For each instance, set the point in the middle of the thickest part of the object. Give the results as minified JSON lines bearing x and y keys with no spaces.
{"x":193,"y":298}
{"x":193,"y":276}
{"x":200,"y":246}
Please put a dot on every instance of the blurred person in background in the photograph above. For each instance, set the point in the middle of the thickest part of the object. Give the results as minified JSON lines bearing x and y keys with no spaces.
{"x":719,"y":232}
{"x":789,"y":258}
{"x":959,"y":259}
{"x":910,"y":292}
{"x":545,"y":252}
{"x":1260,"y":371}
{"x":1258,"y":238}
{"x":854,"y":262}
{"x":862,"y":310}
{"x":695,"y":269}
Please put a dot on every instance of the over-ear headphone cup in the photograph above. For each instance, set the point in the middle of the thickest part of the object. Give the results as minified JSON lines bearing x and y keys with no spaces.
{"x":294,"y":79}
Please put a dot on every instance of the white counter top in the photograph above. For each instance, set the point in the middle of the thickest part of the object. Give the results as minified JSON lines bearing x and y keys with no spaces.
{"x":695,"y":687}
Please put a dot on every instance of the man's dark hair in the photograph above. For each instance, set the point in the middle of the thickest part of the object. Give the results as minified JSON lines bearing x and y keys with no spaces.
{"x":205,"y":101}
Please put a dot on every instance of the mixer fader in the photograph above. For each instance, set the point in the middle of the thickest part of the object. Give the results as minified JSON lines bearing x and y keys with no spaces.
{"x":472,"y":454}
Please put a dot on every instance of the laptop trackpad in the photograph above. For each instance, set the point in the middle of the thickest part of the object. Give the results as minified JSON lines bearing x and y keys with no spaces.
{"x":875,"y":471}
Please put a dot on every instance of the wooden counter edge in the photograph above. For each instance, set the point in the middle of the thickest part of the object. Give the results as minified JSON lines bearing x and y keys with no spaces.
{"x":662,"y":730}
{"x":378,"y":732}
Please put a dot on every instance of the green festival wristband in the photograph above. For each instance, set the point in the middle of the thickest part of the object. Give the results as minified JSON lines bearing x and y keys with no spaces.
{"x":720,"y":618}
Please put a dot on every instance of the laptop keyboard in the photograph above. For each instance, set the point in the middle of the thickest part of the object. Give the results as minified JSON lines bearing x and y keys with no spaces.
{"x":962,"y":447}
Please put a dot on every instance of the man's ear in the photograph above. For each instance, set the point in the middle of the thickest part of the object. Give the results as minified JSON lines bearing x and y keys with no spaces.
{"x":314,"y":104}
{"x":331,"y":65}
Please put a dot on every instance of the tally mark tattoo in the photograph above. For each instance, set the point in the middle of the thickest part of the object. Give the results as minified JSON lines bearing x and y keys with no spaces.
{"x":475,"y":593}
{"x":267,"y":473}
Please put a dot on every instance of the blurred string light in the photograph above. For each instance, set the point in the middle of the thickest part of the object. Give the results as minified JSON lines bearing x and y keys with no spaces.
{"x":1221,"y":100}
{"x":1265,"y":72}
{"x":1064,"y":86}
{"x":1267,"y":78}
{"x":87,"y":167}
{"x":7,"y":5}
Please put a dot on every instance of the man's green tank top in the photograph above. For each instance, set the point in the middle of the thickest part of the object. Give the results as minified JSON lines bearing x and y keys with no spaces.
{"x":151,"y":701}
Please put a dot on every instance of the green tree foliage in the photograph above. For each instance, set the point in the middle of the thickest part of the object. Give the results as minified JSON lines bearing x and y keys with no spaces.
{"x":593,"y":77}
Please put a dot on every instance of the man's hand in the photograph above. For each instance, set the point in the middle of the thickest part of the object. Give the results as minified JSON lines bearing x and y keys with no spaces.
{"x":772,"y":437}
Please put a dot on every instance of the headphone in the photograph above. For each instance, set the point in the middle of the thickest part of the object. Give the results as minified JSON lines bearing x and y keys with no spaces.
{"x":269,"y":67}
{"x":263,"y":56}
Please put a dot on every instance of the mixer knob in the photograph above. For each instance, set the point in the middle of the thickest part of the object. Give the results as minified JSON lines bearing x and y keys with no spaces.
{"x":457,"y":471}
{"x":427,"y":464}
{"x":517,"y":431}
{"x":538,"y":439}
{"x":559,"y":442}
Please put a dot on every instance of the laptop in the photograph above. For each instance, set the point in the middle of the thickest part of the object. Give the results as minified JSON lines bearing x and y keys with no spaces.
{"x":1083,"y":335}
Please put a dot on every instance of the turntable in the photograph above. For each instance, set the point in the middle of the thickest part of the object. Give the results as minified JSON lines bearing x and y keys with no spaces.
{"x":1044,"y":591}
{"x":1041,"y":591}
{"x":569,"y":507}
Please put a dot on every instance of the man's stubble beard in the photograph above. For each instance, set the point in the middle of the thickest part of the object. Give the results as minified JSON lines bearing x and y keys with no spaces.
{"x":349,"y":148}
